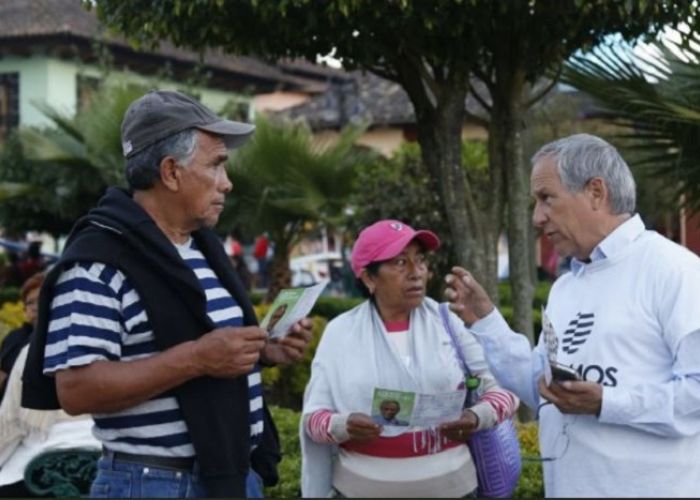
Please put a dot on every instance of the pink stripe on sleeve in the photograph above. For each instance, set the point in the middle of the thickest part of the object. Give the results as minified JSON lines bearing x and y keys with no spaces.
{"x":317,"y":425}
{"x":502,"y":401}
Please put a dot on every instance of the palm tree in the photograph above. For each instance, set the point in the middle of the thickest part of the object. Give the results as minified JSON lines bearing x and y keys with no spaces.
{"x":9,"y":190}
{"x":656,"y":98}
{"x":287,"y":183}
{"x":68,"y":166}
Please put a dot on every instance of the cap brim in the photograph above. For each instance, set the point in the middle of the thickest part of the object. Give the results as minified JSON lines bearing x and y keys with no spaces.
{"x":235,"y":134}
{"x":428,"y":239}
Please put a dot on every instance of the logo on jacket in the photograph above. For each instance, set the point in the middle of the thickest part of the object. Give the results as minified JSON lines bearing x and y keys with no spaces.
{"x":577,"y":332}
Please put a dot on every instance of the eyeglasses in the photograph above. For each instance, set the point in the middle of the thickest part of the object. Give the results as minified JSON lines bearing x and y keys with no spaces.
{"x":400,"y":263}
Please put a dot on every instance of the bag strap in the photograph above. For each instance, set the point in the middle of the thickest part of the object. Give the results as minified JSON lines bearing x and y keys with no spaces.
{"x":445,"y":315}
{"x":472,"y":383}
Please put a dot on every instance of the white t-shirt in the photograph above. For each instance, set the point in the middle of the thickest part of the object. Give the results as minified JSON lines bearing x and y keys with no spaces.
{"x":619,"y":321}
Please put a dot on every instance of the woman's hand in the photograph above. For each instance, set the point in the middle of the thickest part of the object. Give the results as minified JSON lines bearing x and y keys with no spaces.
{"x":362,"y":428}
{"x":461,"y":429}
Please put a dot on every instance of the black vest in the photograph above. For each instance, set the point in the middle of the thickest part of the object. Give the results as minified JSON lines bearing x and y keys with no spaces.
{"x":121,"y":234}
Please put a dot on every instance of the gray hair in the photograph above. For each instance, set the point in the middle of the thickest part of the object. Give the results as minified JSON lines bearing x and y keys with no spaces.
{"x":581,"y":157}
{"x":143,"y":169}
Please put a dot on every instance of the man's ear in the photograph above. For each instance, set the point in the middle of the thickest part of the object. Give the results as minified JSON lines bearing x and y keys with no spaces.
{"x":170,"y":174}
{"x":597,"y":193}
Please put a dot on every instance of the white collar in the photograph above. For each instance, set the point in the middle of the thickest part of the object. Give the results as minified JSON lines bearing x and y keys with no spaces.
{"x":612,"y":244}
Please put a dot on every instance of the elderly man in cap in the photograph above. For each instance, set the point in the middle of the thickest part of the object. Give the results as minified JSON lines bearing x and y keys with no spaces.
{"x":144,"y":324}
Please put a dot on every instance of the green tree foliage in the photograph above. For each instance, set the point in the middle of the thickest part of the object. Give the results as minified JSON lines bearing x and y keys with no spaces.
{"x":438,"y":51}
{"x":37,"y":208}
{"x":10,"y":190}
{"x":654,"y":99}
{"x":286,"y":183}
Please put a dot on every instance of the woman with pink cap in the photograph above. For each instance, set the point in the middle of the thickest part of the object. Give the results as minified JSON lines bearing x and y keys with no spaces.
{"x":394,"y":340}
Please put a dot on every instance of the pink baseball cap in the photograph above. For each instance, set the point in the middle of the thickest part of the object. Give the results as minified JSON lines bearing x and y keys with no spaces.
{"x":386,"y":239}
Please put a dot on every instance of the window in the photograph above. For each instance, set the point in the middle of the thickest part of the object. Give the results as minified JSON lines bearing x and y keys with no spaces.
{"x":9,"y":103}
{"x":87,"y":87}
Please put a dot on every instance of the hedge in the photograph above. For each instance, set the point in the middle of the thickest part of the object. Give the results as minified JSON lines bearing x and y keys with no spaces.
{"x":9,"y":294}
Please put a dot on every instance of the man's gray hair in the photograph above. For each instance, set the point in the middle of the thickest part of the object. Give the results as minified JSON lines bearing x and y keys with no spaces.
{"x":143,"y":169}
{"x":581,"y":157}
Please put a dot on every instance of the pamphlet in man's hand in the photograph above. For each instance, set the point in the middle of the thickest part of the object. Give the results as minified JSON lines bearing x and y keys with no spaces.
{"x":291,"y":305}
{"x":551,"y":344}
{"x":552,"y":369}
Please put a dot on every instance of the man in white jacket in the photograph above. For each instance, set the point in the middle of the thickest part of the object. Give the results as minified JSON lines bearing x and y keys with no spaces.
{"x":624,"y":317}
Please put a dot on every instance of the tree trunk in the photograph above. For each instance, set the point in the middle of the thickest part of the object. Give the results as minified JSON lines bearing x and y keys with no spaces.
{"x":474,"y":233}
{"x":506,"y":127}
{"x":280,"y":276}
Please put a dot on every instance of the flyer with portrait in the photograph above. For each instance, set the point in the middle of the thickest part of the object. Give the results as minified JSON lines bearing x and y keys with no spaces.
{"x":392,"y":408}
{"x":291,"y":305}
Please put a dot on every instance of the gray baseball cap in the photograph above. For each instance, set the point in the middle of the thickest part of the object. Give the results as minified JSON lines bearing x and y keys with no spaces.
{"x":162,"y":113}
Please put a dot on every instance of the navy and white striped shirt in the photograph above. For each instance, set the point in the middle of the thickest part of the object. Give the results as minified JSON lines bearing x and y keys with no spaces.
{"x":97,"y":315}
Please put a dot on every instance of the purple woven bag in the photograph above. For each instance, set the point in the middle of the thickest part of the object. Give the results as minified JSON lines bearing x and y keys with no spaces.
{"x":496,"y":451}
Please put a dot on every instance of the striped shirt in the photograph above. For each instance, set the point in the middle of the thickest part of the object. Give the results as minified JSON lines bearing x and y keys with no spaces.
{"x":97,"y":315}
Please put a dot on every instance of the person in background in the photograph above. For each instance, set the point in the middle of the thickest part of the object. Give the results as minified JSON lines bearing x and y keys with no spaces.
{"x":238,"y":261}
{"x":25,"y":434}
{"x":33,"y":261}
{"x":144,"y":324}
{"x":624,"y":318}
{"x":260,"y":250}
{"x":12,"y":276}
{"x":394,"y":340}
{"x":13,"y":343}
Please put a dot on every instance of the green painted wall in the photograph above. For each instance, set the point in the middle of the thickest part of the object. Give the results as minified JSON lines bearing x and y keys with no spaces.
{"x":54,"y":82}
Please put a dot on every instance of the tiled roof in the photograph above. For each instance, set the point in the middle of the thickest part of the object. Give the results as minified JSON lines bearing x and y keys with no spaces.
{"x":44,"y":19}
{"x":362,"y":97}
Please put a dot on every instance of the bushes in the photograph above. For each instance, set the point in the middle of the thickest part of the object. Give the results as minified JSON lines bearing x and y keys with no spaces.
{"x":289,"y":469}
{"x":287,"y":421}
{"x":11,"y":317}
{"x":330,"y":307}
{"x":531,"y":484}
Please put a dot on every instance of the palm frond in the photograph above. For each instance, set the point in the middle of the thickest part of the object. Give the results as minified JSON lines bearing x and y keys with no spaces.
{"x":287,"y":178}
{"x":10,"y":190}
{"x":656,"y":98}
